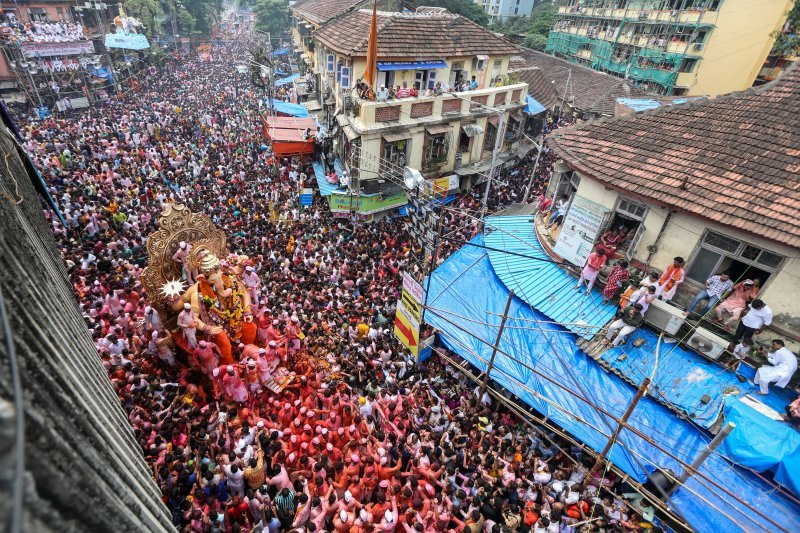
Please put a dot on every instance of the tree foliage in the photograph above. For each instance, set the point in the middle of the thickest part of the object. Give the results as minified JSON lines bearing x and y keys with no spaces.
{"x":149,"y":12}
{"x":190,"y":16}
{"x":535,"y":41}
{"x":535,"y":28}
{"x":465,"y":8}
{"x":272,"y":15}
{"x":787,"y":42}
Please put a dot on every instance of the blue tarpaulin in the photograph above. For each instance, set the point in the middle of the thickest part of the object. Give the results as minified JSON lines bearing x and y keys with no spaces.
{"x":288,"y":108}
{"x":768,"y":445}
{"x":534,"y":107}
{"x":455,"y":306}
{"x":410,"y":65}
{"x":326,"y":188}
{"x":129,"y":41}
{"x":284,"y":81}
{"x":645,"y":104}
{"x":280,"y":52}
{"x":539,"y":281}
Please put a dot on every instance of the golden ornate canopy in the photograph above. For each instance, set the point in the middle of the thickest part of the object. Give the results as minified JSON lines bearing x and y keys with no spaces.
{"x":176,"y":223}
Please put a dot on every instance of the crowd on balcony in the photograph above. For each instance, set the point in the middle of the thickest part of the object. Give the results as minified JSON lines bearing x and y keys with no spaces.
{"x":40,"y":32}
{"x":399,"y":92}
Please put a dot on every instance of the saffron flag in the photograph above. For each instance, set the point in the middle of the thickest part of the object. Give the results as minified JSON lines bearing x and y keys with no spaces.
{"x":371,"y":74}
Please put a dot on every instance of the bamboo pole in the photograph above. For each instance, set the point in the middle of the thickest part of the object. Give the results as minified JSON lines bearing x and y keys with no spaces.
{"x":496,"y":345}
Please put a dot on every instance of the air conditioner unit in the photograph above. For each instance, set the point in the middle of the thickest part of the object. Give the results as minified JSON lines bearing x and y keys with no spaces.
{"x":707,"y":344}
{"x":698,"y":46}
{"x":664,"y":317}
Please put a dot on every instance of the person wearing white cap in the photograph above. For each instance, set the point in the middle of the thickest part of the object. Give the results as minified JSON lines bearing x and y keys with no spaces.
{"x":188,"y":325}
{"x":293,"y":333}
{"x":233,"y":385}
{"x":252,"y":281}
{"x":389,"y":520}
{"x":206,"y":356}
{"x":152,"y":322}
{"x":180,"y":256}
{"x":343,"y":521}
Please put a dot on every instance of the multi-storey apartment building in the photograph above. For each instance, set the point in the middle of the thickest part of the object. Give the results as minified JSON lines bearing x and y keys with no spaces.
{"x":463,"y":100}
{"x":673,"y":47}
{"x":502,"y":10}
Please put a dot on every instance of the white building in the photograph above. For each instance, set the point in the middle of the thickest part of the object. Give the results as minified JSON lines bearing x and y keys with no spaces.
{"x":502,"y":10}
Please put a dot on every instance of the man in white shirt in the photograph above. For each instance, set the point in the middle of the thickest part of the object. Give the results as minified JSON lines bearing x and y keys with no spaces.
{"x":758,"y":316}
{"x":782,"y":367}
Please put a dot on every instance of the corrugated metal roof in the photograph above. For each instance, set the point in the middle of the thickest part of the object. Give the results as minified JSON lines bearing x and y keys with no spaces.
{"x":538,"y":281}
{"x":325,"y":188}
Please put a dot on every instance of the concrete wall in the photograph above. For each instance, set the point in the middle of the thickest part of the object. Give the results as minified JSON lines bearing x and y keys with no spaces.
{"x":681,"y":237}
{"x":738,"y":45}
{"x":84,"y":468}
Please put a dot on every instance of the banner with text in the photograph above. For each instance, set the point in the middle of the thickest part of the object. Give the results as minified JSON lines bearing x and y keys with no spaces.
{"x":57,"y":49}
{"x":579,"y":230}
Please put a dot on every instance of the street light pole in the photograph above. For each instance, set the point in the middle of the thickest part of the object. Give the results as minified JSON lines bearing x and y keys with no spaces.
{"x":535,"y":167}
{"x":497,"y":141}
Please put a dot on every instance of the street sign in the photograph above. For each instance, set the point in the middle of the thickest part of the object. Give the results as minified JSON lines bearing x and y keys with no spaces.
{"x":307,"y":197}
{"x":406,"y":329}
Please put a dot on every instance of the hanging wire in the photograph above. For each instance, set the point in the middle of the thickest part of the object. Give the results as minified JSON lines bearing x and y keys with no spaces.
{"x":627,"y":426}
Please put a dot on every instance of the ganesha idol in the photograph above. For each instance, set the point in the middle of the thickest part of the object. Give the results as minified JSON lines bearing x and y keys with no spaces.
{"x":219,"y":300}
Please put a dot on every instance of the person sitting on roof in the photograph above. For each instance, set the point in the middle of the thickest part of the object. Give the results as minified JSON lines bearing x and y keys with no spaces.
{"x":669,"y":280}
{"x":736,"y":303}
{"x":382,"y":94}
{"x":783,"y":365}
{"x":403,"y":92}
{"x":620,"y":329}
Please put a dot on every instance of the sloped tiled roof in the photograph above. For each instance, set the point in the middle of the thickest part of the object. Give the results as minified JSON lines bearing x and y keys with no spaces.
{"x":321,"y":11}
{"x":734,"y":160}
{"x":417,"y":36}
{"x":539,"y":86}
{"x":592,"y":91}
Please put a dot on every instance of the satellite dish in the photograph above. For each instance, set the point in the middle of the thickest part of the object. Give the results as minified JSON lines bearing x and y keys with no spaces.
{"x":412,"y":178}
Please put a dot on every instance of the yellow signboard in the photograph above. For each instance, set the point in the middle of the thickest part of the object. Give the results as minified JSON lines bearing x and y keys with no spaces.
{"x":406,"y":329}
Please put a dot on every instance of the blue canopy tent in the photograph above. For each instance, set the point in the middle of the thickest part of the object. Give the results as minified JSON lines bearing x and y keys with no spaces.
{"x":280,"y":52}
{"x":288,"y":108}
{"x":285,"y":81}
{"x":534,"y":107}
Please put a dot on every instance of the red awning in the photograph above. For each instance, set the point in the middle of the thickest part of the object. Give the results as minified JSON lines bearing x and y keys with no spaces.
{"x":288,"y":149}
{"x":288,"y":135}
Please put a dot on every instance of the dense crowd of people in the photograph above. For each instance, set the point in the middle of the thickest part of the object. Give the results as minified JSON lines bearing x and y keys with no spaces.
{"x":363,"y":439}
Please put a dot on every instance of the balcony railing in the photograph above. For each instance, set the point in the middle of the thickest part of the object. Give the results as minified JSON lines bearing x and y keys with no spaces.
{"x":685,"y":16}
{"x":413,"y":109}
